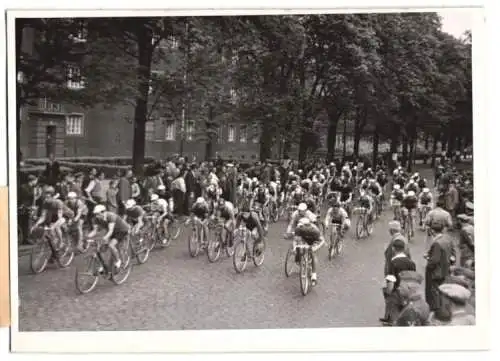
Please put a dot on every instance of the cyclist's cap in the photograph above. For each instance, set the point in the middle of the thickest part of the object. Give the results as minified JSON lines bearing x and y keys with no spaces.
{"x":390,"y":278}
{"x":395,"y":226}
{"x":161,"y":187}
{"x":302,"y":207}
{"x":49,"y":190}
{"x":129,"y":204}
{"x":154,"y":197}
{"x":230,"y":165}
{"x":397,"y":186}
{"x":200,"y":200}
{"x":458,"y":280}
{"x":99,"y":209}
{"x":469,"y":205}
{"x":411,"y":193}
{"x":71,"y":195}
{"x":426,"y":190}
{"x":31,"y":178}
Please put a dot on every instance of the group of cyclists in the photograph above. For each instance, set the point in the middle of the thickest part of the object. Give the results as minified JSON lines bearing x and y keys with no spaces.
{"x":315,"y":203}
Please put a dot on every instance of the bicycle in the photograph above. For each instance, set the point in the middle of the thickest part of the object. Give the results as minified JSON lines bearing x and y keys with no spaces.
{"x":274,"y":213}
{"x":196,"y":238}
{"x":423,"y":214}
{"x":155,"y":233}
{"x":100,"y":263}
{"x":397,"y":212}
{"x":407,"y":224}
{"x":242,"y":250}
{"x":219,"y":243}
{"x":364,"y":227}
{"x":45,"y":248}
{"x":336,"y":241}
{"x":306,"y":255}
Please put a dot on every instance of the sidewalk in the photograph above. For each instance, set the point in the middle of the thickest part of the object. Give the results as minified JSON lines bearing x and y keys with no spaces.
{"x":24,"y":250}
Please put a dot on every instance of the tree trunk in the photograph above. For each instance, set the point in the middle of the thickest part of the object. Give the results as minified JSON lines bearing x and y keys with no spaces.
{"x":404,"y":157}
{"x":210,"y":137}
{"x":393,"y":148}
{"x":145,"y":51}
{"x":426,"y":145}
{"x":375,"y":147}
{"x":344,"y":141}
{"x":266,"y":140}
{"x":434,"y":150}
{"x":333,"y":120}
{"x":451,"y":142}
{"x":411,"y":154}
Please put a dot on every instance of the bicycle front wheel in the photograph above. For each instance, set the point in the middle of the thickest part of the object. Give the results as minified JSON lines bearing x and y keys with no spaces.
{"x":359,"y":227}
{"x":87,"y":274}
{"x":119,"y":276}
{"x":193,"y":243}
{"x":240,"y":257}
{"x":258,"y":253}
{"x":174,"y":230}
{"x":214,"y":248}
{"x":40,"y":255}
{"x":305,"y":277}
{"x":290,"y":262}
{"x":66,"y":255}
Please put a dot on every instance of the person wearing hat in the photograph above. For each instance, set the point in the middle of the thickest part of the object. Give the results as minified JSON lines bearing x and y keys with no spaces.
{"x":439,"y":215}
{"x":399,"y":262}
{"x":454,"y":303}
{"x":395,"y":233}
{"x":116,"y":229}
{"x":440,"y":257}
{"x":414,"y":310}
{"x":161,"y":206}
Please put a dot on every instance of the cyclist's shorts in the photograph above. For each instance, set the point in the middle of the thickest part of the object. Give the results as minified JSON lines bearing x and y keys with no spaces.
{"x":308,"y":234}
{"x":364,"y":203}
{"x":225,"y":215}
{"x":119,"y":236}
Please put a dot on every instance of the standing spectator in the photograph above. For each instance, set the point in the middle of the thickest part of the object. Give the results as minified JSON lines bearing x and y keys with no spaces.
{"x":190,"y":180}
{"x":398,"y":263}
{"x":124,"y":191}
{"x":451,"y":199}
{"x":27,"y":199}
{"x":232,"y":183}
{"x":178,"y":193}
{"x":77,"y":185}
{"x":439,"y":259}
{"x":415,"y":311}
{"x":466,"y":239}
{"x":395,"y":232}
{"x":111,"y":196}
{"x":52,"y":171}
{"x":454,"y":299}
{"x":136,"y":190}
{"x":95,"y":190}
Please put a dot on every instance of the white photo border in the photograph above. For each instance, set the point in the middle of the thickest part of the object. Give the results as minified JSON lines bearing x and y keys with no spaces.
{"x":280,"y":340}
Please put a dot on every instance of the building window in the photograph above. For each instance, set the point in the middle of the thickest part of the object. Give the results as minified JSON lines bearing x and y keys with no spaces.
{"x":74,"y":124}
{"x":243,"y":134}
{"x":170,"y":130}
{"x":74,"y":78}
{"x":189,"y":130}
{"x":230,"y":133}
{"x":255,"y":136}
{"x":173,"y":42}
{"x":220,"y":137}
{"x":150,"y":130}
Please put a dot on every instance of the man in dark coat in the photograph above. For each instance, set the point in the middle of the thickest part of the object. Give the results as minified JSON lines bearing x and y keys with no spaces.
{"x":52,"y":171}
{"x":124,"y":191}
{"x":190,"y":181}
{"x":440,"y":257}
{"x":395,"y":232}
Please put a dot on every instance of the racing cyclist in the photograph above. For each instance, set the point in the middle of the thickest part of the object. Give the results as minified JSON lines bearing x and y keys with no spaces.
{"x":336,"y":215}
{"x":80,"y":210}
{"x":397,"y":196}
{"x":134,"y":215}
{"x":409,"y":203}
{"x":225,"y":210}
{"x":117,"y":230}
{"x":424,"y":201}
{"x":161,"y":206}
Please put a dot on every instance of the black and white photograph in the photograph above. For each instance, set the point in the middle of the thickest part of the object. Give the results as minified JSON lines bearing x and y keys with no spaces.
{"x":250,"y":171}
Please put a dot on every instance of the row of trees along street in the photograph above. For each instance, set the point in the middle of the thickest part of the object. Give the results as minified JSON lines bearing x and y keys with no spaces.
{"x":397,"y":75}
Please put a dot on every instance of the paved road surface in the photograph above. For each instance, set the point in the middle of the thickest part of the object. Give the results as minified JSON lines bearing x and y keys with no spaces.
{"x":173,"y":291}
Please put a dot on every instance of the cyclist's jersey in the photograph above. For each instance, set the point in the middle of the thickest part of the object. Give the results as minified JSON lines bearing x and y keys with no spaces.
{"x":200,"y":210}
{"x":400,"y":180}
{"x":272,"y":189}
{"x":77,"y":205}
{"x":398,"y":195}
{"x":121,"y":227}
{"x":161,"y":206}
{"x":53,"y":206}
{"x":311,"y":205}
{"x":335,"y":185}
{"x":345,"y":192}
{"x":412,"y":187}
{"x":310,"y":233}
{"x":134,"y":213}
{"x":381,"y":178}
{"x":337,"y":217}
{"x":422,"y":183}
{"x":297,"y":198}
{"x":212,"y":192}
{"x":425,"y":199}
{"x":374,"y":188}
{"x":316,"y":189}
{"x":410,"y":202}
{"x":261,"y":196}
{"x":306,"y":185}
{"x":226,"y":211}
{"x":250,"y":219}
{"x":365,"y":202}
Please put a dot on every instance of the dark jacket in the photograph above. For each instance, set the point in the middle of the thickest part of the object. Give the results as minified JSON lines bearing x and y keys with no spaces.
{"x":399,"y":264}
{"x":124,"y":190}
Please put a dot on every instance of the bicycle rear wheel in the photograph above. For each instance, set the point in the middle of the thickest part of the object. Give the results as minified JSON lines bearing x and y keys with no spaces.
{"x":305,"y":277}
{"x":331,"y":246}
{"x":87,"y":274}
{"x":141,"y":250}
{"x":66,"y":255}
{"x":240,"y":257}
{"x":174,"y":230}
{"x":359,"y":227}
{"x":339,"y":245}
{"x":40,"y":255}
